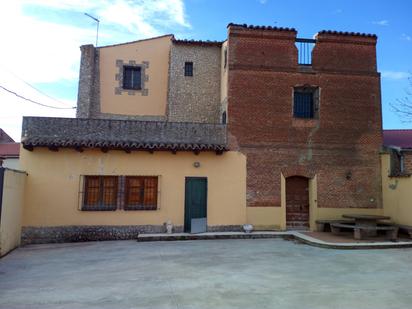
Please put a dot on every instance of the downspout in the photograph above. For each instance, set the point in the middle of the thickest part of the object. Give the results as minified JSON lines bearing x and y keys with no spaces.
{"x":2,"y":169}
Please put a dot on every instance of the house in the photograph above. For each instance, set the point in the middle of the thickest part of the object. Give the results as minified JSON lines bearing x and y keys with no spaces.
{"x":399,"y":144}
{"x":396,"y":163}
{"x":263,"y":128}
{"x":9,"y":151}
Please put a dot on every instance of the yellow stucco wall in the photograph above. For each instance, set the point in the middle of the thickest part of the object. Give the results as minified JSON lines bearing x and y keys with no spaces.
{"x":12,"y":208}
{"x":397,"y":194}
{"x":265,"y":218}
{"x":54,"y":179}
{"x":155,"y":51}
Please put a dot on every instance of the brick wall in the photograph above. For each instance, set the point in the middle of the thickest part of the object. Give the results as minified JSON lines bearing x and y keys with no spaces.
{"x":407,"y":161}
{"x":341,"y":147}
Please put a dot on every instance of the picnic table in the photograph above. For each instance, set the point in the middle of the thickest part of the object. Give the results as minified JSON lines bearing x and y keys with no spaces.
{"x":366,"y":225}
{"x":370,"y":221}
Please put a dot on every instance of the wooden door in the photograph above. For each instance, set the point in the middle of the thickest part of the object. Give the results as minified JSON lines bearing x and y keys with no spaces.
{"x":297,"y":202}
{"x":195,"y":204}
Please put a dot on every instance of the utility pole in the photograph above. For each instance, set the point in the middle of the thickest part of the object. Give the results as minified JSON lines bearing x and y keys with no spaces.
{"x":98,"y":22}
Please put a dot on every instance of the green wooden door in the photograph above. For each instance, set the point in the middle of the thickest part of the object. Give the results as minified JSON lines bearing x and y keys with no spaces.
{"x":195,"y":201}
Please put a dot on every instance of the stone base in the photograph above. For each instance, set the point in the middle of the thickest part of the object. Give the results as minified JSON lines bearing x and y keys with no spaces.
{"x":224,"y":228}
{"x":76,"y":233}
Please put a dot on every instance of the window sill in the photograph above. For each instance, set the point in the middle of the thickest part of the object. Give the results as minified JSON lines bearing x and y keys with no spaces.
{"x":305,"y":122}
{"x":131,"y":89}
{"x":151,"y":208}
{"x":400,"y":175}
{"x":99,"y":208}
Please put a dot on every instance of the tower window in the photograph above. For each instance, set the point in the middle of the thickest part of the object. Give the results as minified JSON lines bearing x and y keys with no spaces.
{"x":305,"y":102}
{"x":188,"y":68}
{"x":132,"y":78}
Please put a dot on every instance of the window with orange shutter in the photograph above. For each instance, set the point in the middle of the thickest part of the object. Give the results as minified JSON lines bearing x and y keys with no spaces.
{"x":140,"y":193}
{"x":100,"y":193}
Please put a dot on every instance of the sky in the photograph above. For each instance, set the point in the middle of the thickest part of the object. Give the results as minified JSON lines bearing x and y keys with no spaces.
{"x":40,"y":55}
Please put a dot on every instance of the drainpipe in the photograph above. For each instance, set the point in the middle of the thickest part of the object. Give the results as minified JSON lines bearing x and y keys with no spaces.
{"x":2,"y":169}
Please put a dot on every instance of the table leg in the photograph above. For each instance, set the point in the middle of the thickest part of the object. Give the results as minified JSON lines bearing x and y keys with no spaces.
{"x":357,"y":234}
{"x":368,"y":223}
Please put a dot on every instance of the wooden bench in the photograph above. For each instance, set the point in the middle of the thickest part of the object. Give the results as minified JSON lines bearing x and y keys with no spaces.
{"x":405,"y":228}
{"x":322,"y":224}
{"x":361,"y":231}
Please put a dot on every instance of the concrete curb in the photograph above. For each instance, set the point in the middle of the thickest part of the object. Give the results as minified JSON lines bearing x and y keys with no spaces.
{"x":288,"y":235}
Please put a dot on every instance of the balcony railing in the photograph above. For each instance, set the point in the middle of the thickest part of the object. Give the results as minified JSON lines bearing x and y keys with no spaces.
{"x":305,"y":47}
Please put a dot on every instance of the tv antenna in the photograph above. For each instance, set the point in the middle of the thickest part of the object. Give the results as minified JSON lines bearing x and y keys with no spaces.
{"x":98,"y":22}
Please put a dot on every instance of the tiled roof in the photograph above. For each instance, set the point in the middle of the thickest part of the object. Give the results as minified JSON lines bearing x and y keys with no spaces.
{"x":9,"y":150}
{"x":5,"y":138}
{"x":348,"y":33}
{"x":136,"y":41}
{"x":198,"y":42}
{"x":398,"y":138}
{"x":122,"y":134}
{"x":261,"y":27}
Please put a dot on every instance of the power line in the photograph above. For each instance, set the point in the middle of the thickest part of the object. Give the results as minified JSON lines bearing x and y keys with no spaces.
{"x":31,"y":86}
{"x":32,"y":101}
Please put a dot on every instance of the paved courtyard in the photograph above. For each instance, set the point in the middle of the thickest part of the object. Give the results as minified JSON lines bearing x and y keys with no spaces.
{"x":260,"y":273}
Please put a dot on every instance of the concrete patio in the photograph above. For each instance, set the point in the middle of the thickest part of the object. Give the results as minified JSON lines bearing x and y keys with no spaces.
{"x":255,"y":273}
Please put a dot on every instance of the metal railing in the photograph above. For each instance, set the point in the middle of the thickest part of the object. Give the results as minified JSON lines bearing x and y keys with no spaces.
{"x":305,"y":47}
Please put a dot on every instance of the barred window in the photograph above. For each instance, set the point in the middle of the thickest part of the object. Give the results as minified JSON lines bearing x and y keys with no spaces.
{"x":140,"y":193}
{"x":188,"y":68}
{"x":120,"y":192}
{"x":100,"y":193}
{"x":132,"y":78}
{"x":305,"y":102}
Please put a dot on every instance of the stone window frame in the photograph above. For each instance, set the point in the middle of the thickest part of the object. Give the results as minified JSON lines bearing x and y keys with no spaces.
{"x":120,"y":64}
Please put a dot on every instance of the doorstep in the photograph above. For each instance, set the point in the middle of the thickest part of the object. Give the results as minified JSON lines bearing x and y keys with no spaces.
{"x":288,"y":235}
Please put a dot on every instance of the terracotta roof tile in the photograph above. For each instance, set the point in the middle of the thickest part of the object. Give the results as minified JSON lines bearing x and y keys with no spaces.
{"x":122,"y":134}
{"x":10,"y":150}
{"x":261,"y":27}
{"x":5,"y":138}
{"x":398,"y":138}
{"x":348,"y":33}
{"x":198,"y":42}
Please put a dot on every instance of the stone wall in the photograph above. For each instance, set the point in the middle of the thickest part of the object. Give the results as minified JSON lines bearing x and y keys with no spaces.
{"x":75,"y":233}
{"x":194,"y":98}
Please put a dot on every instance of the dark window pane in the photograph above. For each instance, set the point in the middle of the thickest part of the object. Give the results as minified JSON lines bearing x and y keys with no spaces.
{"x":303,"y":104}
{"x":224,"y":118}
{"x":132,"y":78}
{"x":188,"y":68}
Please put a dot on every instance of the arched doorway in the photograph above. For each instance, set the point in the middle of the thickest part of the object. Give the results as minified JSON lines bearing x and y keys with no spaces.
{"x":297,"y":202}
